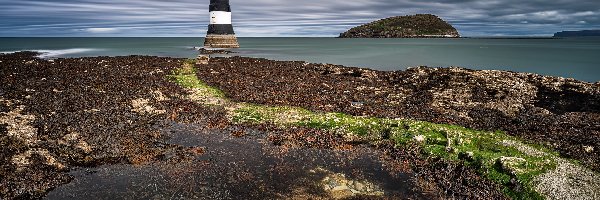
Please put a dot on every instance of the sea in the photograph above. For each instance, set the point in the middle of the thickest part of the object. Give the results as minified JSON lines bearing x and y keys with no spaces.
{"x":577,"y":58}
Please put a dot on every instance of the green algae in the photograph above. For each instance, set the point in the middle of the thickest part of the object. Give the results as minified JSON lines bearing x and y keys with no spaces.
{"x":186,"y":77}
{"x":501,"y":158}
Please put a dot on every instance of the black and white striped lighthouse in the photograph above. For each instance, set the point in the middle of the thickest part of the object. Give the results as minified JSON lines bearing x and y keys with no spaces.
{"x":220,"y":31}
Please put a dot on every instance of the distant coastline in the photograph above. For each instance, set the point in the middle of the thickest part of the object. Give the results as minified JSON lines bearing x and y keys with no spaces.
{"x":582,"y":33}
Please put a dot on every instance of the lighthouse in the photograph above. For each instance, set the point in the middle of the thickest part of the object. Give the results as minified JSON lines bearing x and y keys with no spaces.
{"x":220,"y":31}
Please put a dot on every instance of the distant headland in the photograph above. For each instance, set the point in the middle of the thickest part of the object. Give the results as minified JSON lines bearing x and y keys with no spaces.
{"x":583,"y":33}
{"x":410,"y":26}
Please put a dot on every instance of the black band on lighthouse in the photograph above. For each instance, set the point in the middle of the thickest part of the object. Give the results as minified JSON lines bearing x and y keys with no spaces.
{"x":220,"y":29}
{"x":219,"y":5}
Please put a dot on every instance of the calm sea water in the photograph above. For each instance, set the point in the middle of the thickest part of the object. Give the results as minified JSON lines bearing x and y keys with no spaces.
{"x":577,"y":58}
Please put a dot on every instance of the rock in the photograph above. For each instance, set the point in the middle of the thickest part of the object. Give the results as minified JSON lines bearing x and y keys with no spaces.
{"x":588,"y":149}
{"x":196,"y":151}
{"x":357,"y":104}
{"x":359,"y":186}
{"x":143,"y":106}
{"x":214,"y":51}
{"x":341,"y":187}
{"x":23,"y":160}
{"x":469,"y":155}
{"x":419,"y":138}
{"x":202,"y":60}
{"x":341,"y":194}
{"x":83,"y":145}
{"x":513,"y":165}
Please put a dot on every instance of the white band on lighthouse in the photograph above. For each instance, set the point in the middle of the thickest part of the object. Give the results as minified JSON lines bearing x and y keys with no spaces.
{"x":220,"y":17}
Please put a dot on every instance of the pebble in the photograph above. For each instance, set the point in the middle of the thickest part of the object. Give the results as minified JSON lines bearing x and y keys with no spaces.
{"x":588,"y":149}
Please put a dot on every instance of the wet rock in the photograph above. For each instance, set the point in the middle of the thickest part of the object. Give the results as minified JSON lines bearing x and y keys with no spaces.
{"x":22,"y":161}
{"x":202,"y":59}
{"x":18,"y":125}
{"x":340,"y":187}
{"x":588,"y":149}
{"x":419,"y":138}
{"x":3,"y":128}
{"x":214,"y":51}
{"x":142,"y":106}
{"x":197,"y":150}
{"x":466,"y":155}
{"x":357,"y":104}
{"x":514,"y":165}
{"x":84,"y":146}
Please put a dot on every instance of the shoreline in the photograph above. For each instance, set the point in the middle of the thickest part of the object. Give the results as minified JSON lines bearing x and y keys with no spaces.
{"x":274,"y":83}
{"x":381,"y":55}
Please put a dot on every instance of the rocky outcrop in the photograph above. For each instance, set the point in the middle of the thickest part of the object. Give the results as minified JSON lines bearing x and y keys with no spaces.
{"x":561,"y":113}
{"x":410,"y":26}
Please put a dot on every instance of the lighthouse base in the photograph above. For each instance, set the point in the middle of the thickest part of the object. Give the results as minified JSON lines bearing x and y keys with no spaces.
{"x":221,"y":41}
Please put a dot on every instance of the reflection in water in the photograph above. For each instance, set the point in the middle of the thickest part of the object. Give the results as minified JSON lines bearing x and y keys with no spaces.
{"x":249,"y":167}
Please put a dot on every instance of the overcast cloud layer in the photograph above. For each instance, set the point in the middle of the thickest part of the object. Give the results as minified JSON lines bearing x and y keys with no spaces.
{"x":287,"y":17}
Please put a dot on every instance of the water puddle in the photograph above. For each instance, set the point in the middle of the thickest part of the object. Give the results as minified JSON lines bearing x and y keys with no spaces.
{"x":249,"y":167}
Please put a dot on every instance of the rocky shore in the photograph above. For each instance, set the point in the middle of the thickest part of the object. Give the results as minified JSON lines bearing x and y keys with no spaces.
{"x":60,"y":116}
{"x":563,"y":114}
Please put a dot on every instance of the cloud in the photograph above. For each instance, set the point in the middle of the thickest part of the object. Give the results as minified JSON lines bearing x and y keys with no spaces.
{"x":286,"y":17}
{"x":102,"y":30}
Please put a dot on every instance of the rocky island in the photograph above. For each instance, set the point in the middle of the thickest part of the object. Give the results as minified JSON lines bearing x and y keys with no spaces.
{"x":410,"y":26}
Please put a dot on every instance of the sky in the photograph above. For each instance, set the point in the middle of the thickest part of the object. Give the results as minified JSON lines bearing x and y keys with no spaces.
{"x":287,"y":18}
